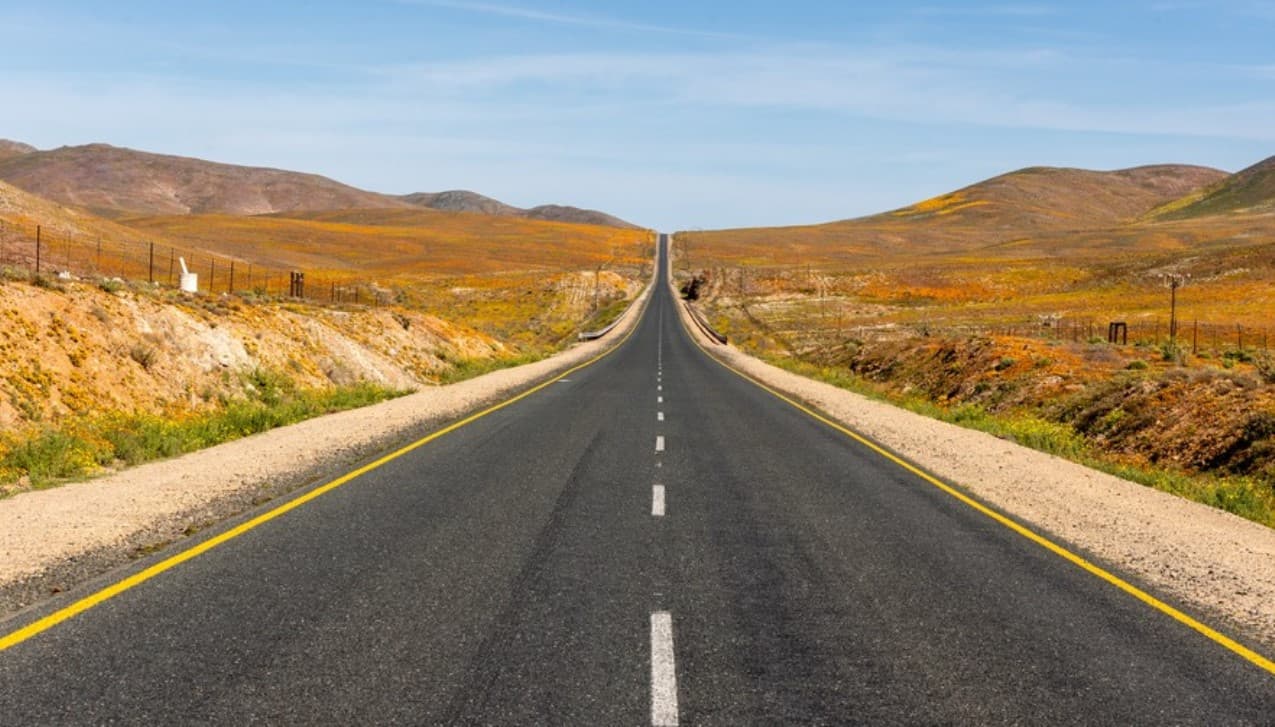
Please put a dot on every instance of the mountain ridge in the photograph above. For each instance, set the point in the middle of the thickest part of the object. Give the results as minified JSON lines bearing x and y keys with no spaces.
{"x":117,"y":183}
{"x":1251,"y":189}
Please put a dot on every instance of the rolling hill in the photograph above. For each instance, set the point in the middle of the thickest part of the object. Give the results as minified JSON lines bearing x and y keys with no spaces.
{"x":117,"y":183}
{"x":10,"y":149}
{"x":460,"y":200}
{"x":465,"y":201}
{"x":1021,"y":205}
{"x":1248,"y":190}
{"x":409,"y":242}
{"x":21,"y":211}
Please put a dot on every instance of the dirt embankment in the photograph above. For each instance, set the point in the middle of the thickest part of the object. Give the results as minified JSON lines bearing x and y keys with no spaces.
{"x":79,"y":348}
{"x":1201,"y":419}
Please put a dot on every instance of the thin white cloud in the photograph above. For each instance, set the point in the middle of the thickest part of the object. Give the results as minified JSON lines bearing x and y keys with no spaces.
{"x":991,"y":89}
{"x":1010,"y":11}
{"x":589,"y":21}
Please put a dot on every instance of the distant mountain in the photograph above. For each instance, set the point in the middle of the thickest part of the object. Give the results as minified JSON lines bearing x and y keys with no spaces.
{"x":117,"y":182}
{"x":464,"y":201}
{"x":1248,"y":190}
{"x":561,"y":213}
{"x":1039,"y":198}
{"x":10,"y":149}
{"x":1021,"y":205}
{"x":460,"y":200}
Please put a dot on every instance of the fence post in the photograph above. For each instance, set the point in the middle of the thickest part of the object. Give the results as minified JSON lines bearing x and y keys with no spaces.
{"x":212,"y":272}
{"x":97,"y":266}
{"x":38,"y":242}
{"x":151,"y":265}
{"x":231,"y":288}
{"x":171,"y":254}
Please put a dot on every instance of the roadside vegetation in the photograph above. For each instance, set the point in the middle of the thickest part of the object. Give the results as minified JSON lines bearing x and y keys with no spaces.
{"x":44,"y":455}
{"x":993,"y":308}
{"x":1249,"y":495}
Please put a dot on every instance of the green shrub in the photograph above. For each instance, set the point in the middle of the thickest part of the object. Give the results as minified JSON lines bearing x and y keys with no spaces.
{"x":83,"y":447}
{"x":1138,"y":365}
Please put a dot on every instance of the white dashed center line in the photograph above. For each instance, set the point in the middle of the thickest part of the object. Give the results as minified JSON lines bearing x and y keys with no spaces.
{"x":659,"y":416}
{"x":659,"y":400}
{"x":663,"y":671}
{"x":659,"y":443}
{"x":657,"y":500}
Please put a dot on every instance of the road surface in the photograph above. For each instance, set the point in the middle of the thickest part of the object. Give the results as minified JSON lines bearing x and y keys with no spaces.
{"x":650,"y":540}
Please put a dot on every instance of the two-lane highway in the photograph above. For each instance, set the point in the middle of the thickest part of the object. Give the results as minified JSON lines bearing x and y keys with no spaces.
{"x":650,"y":540}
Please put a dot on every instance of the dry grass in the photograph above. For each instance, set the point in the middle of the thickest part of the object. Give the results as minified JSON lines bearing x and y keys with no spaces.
{"x":984,"y":310}
{"x":409,"y":243}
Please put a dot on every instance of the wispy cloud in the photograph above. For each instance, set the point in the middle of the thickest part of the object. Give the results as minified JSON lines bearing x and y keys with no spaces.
{"x":540,"y":16}
{"x":1001,"y":89}
{"x":1001,"y":11}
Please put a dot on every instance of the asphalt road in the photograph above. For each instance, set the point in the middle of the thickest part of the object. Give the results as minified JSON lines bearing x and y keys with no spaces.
{"x":516,"y":571}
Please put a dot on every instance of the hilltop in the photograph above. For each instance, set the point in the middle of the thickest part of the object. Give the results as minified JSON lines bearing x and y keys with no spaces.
{"x":1020,"y":205}
{"x":460,"y":200}
{"x":118,"y":183}
{"x":1043,"y":198}
{"x":466,"y":201}
{"x":9,"y":149}
{"x":1249,"y":190}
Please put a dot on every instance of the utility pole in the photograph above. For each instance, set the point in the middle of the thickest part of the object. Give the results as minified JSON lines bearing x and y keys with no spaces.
{"x":1174,"y":281}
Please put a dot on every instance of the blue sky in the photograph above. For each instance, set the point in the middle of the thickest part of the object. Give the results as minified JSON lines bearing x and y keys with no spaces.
{"x":675,"y":115}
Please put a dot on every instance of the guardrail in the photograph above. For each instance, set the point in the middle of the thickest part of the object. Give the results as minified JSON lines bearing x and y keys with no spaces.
{"x":703,"y":324}
{"x":594,"y":335}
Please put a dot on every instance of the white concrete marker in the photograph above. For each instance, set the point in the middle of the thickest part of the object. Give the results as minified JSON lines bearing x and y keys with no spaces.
{"x":659,"y":416}
{"x":659,"y":443}
{"x":663,"y":671}
{"x":657,"y":500}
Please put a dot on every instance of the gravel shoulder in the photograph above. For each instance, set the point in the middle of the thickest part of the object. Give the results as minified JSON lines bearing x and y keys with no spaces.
{"x":1210,"y":562}
{"x":52,"y":540}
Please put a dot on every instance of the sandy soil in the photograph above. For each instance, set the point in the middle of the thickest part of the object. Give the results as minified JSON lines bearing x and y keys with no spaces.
{"x":50,"y":540}
{"x":1210,"y":562}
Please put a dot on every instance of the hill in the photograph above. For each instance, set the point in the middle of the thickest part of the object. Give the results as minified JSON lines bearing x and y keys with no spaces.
{"x":1039,"y":198}
{"x":1020,"y":205}
{"x":401,"y":242}
{"x":465,"y":201}
{"x":460,"y":200}
{"x":9,"y":149}
{"x":1249,"y":190}
{"x":562,"y":213}
{"x":116,"y":182}
{"x":21,"y":211}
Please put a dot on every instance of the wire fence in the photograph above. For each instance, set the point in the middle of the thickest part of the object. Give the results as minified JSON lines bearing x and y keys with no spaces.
{"x":1189,"y":335}
{"x":35,"y":249}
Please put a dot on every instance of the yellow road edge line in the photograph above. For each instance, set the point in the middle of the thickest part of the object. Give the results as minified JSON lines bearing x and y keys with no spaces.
{"x":1213,"y":634}
{"x":80,"y":606}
